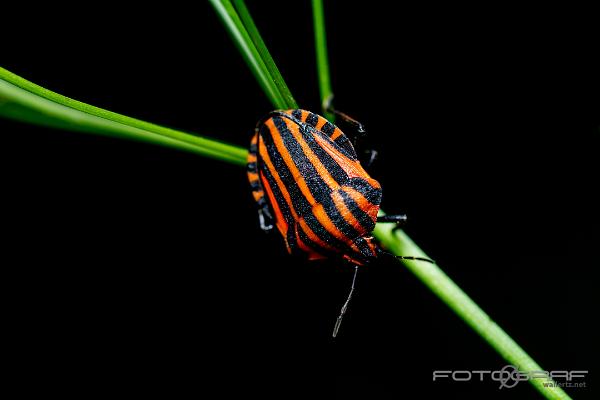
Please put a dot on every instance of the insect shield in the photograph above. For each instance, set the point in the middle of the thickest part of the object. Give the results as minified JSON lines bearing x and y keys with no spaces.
{"x":307,"y":181}
{"x":509,"y":376}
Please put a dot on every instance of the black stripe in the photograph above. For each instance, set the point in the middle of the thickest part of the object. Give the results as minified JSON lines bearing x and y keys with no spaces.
{"x":297,"y":114}
{"x":319,"y":189}
{"x":369,"y":192}
{"x":251,"y":167}
{"x":291,"y":239}
{"x":255,"y":185}
{"x":253,"y":148}
{"x":301,"y":207}
{"x":285,"y":210}
{"x":307,"y":133}
{"x":341,"y":143}
{"x":365,"y":250}
{"x":312,"y":119}
{"x":362,"y":217}
{"x":346,"y":147}
{"x":307,"y":241}
{"x":334,"y":169}
{"x":328,"y":128}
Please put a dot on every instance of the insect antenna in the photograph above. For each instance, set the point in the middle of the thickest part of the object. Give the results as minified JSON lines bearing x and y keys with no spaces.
{"x":338,"y":322}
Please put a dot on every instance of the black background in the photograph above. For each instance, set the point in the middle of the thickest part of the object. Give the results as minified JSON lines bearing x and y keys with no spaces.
{"x":133,"y":268}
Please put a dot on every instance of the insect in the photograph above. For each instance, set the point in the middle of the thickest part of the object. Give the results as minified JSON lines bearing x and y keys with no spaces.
{"x":308,"y":182}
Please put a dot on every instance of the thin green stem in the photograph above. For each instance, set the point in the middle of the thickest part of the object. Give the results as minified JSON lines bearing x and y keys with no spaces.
{"x":399,"y":243}
{"x":248,"y":22}
{"x":25,"y":101}
{"x":245,"y":44}
{"x":322,"y":59}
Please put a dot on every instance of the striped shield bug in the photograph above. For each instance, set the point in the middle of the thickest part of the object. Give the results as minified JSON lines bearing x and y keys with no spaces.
{"x":308,"y":183}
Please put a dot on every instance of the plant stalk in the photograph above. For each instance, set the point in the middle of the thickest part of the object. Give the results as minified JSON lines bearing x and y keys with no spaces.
{"x":322,"y":58}
{"x":245,"y":45}
{"x":274,"y":73}
{"x":25,"y":101}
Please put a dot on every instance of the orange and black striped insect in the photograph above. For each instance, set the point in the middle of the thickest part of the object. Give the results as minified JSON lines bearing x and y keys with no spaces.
{"x":309,"y":183}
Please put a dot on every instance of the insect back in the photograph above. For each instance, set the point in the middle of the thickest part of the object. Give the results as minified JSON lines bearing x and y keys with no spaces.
{"x":308,"y":182}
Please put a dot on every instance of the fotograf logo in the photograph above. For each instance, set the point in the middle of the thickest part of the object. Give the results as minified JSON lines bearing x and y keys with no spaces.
{"x":509,"y":376}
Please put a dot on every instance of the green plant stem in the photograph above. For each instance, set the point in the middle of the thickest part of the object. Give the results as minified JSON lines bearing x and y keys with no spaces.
{"x":248,"y":22}
{"x":321,"y":53}
{"x":399,"y":243}
{"x":26,"y":101}
{"x":245,"y":45}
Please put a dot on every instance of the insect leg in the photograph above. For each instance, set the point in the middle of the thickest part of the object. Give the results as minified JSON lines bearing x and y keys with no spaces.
{"x":395,"y":257}
{"x":357,"y":133}
{"x":398,"y":219}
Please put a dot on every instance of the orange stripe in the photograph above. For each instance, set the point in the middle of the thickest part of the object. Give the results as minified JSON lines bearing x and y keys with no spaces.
{"x":346,"y":213}
{"x":316,"y":256}
{"x":336,"y":133}
{"x":320,"y":123}
{"x":304,"y":115}
{"x":323,"y":218}
{"x":321,"y":170}
{"x":312,"y":236}
{"x":372,"y":245}
{"x":254,"y":139}
{"x":252,"y":176}
{"x":290,"y":162}
{"x":303,"y":246}
{"x":369,"y":208}
{"x":353,"y":260}
{"x":251,"y":157}
{"x":258,"y":195}
{"x":351,"y":167}
{"x":279,"y":219}
{"x":286,"y":195}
